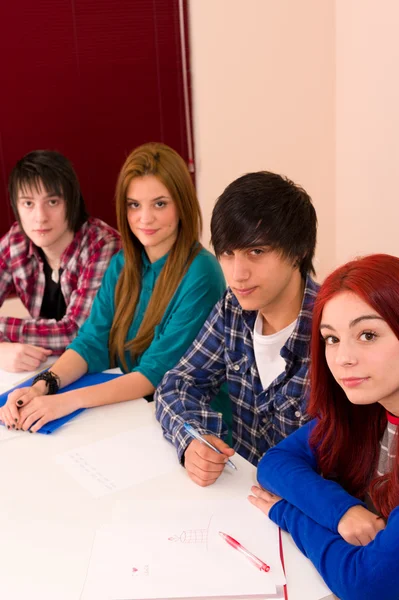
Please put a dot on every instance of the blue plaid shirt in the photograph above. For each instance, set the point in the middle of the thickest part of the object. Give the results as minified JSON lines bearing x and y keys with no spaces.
{"x":223,"y":352}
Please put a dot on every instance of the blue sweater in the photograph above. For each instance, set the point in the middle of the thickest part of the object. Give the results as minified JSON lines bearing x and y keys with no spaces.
{"x":200,"y":288}
{"x":311,"y":511}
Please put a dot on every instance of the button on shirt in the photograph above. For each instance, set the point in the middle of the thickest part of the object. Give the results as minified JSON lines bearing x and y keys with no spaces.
{"x":223,"y":352}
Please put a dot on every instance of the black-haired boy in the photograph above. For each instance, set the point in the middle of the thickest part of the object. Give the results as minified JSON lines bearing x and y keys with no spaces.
{"x":256,"y":339}
{"x":53,"y":258}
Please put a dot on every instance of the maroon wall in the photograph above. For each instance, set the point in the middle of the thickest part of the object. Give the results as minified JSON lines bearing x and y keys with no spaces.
{"x":92,"y":79}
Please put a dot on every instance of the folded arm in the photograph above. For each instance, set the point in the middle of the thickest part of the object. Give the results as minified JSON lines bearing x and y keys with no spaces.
{"x":290,"y":471}
{"x":351,"y":572}
{"x":56,"y":335}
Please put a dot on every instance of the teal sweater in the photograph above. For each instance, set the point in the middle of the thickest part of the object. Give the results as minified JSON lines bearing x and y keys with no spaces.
{"x":201,"y":287}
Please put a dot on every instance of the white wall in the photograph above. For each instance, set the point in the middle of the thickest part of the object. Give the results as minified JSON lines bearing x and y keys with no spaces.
{"x":264,"y":98}
{"x":367,"y":142}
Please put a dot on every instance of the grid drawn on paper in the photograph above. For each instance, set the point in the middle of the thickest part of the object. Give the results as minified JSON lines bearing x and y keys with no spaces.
{"x":192,"y":536}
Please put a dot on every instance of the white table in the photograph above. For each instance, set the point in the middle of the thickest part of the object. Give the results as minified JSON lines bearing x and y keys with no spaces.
{"x":48,"y":520}
{"x":10,"y":380}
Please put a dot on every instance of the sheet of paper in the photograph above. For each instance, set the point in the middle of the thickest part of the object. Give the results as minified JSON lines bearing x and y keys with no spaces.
{"x":44,"y":547}
{"x":180,"y":554}
{"x":120,"y":461}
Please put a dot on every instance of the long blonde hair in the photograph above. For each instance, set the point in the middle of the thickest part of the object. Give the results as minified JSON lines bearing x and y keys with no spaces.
{"x":171,"y":170}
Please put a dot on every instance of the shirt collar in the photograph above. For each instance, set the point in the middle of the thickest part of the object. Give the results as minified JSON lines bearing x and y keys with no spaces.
{"x":298,"y":342}
{"x":156,"y":266}
{"x":73,"y":246}
{"x":32,"y":250}
{"x":392,"y":418}
{"x":69,"y":250}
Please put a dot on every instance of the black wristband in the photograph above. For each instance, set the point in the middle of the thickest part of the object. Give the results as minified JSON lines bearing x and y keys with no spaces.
{"x":52,"y":381}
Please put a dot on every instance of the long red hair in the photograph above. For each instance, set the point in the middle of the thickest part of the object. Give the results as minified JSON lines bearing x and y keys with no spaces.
{"x":346,"y":437}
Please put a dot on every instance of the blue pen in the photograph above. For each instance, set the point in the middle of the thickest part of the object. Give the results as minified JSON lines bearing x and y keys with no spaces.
{"x":194,"y":434}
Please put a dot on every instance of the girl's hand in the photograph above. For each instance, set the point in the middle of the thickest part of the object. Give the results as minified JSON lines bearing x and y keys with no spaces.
{"x":43,"y":409}
{"x":263,"y":499}
{"x":359,"y":526}
{"x":9,"y":413}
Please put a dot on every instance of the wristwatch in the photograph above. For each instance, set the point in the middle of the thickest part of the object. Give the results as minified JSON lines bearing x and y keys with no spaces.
{"x":52,"y":380}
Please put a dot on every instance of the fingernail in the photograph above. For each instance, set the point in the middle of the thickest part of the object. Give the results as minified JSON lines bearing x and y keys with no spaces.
{"x":13,"y":426}
{"x":8,"y":427}
{"x":19,"y":402}
{"x":30,"y":431}
{"x":16,"y":420}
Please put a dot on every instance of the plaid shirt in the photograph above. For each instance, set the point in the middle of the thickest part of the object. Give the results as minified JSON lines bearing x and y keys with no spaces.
{"x":83,"y":265}
{"x":223,"y":352}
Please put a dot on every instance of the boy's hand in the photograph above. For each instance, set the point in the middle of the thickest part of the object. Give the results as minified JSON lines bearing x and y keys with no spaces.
{"x":15,"y":357}
{"x":203,"y":464}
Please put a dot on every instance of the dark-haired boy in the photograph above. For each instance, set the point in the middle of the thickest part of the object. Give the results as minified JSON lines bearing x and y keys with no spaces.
{"x":256,"y":339}
{"x":53,"y":258}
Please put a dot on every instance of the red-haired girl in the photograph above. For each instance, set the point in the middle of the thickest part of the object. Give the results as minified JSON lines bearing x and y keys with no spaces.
{"x":334,"y":484}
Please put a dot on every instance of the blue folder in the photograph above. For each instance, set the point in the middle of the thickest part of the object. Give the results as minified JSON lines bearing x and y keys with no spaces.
{"x":85,"y":381}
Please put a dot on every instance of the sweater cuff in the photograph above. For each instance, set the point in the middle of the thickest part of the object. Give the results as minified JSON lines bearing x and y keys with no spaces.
{"x":344,"y":509}
{"x":276,"y":513}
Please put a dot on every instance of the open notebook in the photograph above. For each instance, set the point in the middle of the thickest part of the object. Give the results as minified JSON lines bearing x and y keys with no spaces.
{"x":178,"y":553}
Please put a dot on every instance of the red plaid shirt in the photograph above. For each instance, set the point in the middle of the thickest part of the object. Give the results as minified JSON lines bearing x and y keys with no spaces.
{"x":83,"y":265}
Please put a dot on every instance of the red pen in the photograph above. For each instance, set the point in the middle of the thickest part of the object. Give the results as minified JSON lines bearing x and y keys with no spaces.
{"x":257,"y":562}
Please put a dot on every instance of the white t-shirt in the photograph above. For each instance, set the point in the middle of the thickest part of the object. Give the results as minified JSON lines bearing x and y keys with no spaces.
{"x":267,"y":351}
